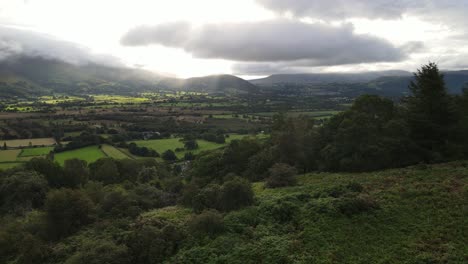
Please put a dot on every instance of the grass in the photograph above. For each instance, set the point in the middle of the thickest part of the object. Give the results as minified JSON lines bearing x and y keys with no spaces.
{"x":162,"y":145}
{"x":113,"y":152}
{"x":9,"y":155}
{"x":16,"y":143}
{"x":88,"y":154}
{"x":10,"y":165}
{"x":30,"y":152}
{"x":421,"y":215}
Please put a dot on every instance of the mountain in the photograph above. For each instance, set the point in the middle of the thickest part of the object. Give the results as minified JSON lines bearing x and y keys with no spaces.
{"x":227,"y":84}
{"x":26,"y":76}
{"x":325,"y":78}
{"x":387,"y":83}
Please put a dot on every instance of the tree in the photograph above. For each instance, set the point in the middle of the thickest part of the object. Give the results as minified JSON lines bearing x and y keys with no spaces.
{"x":50,"y":169}
{"x":235,"y":194}
{"x":169,"y":155}
{"x":430,"y":109}
{"x":5,"y":146}
{"x":191,"y":144}
{"x":105,"y":170}
{"x":100,"y":251}
{"x":281,"y":175}
{"x":66,"y":212}
{"x":22,"y":191}
{"x":76,"y":173}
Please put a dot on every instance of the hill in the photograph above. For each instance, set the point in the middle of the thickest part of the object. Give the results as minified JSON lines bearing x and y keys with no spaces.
{"x":391,"y":83}
{"x":26,"y":76}
{"x":324,"y":78}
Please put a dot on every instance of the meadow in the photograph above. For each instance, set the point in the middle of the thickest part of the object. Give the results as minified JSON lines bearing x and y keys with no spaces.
{"x":16,"y":143}
{"x":162,"y":145}
{"x":41,"y":151}
{"x":112,"y":152}
{"x":88,"y":154}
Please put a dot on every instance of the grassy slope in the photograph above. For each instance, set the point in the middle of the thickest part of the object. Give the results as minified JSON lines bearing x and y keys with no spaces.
{"x":89,"y":154}
{"x":421,"y":218}
{"x":113,"y":152}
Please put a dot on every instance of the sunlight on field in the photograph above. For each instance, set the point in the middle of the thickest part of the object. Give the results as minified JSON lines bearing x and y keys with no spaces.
{"x":113,"y":152}
{"x":36,"y":151}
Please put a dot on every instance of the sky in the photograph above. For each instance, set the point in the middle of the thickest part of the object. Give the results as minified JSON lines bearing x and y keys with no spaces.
{"x":248,"y":38}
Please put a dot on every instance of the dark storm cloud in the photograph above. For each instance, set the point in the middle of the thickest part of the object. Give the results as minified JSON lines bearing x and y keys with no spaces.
{"x":18,"y":42}
{"x":270,"y":41}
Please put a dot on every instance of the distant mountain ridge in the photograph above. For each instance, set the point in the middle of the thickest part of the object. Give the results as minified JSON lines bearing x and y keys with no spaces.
{"x":390,"y":83}
{"x":325,"y":78}
{"x":26,"y":76}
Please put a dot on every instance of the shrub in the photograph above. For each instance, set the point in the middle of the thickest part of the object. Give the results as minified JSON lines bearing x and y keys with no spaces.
{"x":281,"y":175}
{"x":208,"y":222}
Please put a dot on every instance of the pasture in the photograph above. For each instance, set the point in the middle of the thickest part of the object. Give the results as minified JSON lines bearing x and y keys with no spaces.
{"x":88,"y":154}
{"x":113,"y":152}
{"x":17,"y":143}
{"x":9,"y":155}
{"x":41,"y":151}
{"x":162,"y":145}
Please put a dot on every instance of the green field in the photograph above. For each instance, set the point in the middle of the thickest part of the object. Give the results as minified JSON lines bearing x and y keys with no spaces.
{"x":30,"y":152}
{"x":113,"y":152}
{"x":162,"y":145}
{"x":9,"y":155}
{"x":88,"y":154}
{"x":27,"y":142}
{"x":5,"y":166}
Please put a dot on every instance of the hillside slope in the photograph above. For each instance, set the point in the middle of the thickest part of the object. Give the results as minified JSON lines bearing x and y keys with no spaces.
{"x":25,"y":76}
{"x":412,"y":215}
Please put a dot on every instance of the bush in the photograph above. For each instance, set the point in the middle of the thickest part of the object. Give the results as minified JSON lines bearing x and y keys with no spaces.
{"x":355,"y":205}
{"x":169,"y":155}
{"x":281,"y":175}
{"x":209,"y":222}
{"x":105,"y":170}
{"x":100,"y":251}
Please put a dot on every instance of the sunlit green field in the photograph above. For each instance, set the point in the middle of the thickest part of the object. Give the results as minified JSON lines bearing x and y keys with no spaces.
{"x":88,"y":154}
{"x":35,"y":151}
{"x":162,"y":145}
{"x":113,"y":152}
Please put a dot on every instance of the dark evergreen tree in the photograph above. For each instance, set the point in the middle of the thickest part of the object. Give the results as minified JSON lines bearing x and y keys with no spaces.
{"x":430,"y":111}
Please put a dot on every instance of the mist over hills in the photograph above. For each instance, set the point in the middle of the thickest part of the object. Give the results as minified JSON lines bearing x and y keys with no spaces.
{"x":389,"y":83}
{"x":29,"y":76}
{"x":32,"y":76}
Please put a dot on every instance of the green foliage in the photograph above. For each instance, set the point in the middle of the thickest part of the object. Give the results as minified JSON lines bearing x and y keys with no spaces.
{"x":22,"y":192}
{"x":100,"y":251}
{"x":105,"y":170}
{"x":169,"y":155}
{"x":430,"y":110}
{"x":235,"y":194}
{"x":51,"y":170}
{"x":75,"y":173}
{"x":281,"y":175}
{"x":67,"y":211}
{"x":209,"y":223}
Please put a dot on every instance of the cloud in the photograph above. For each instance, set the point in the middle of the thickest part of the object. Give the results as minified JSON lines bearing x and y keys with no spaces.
{"x":270,"y":41}
{"x":19,"y":42}
{"x":340,"y":9}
